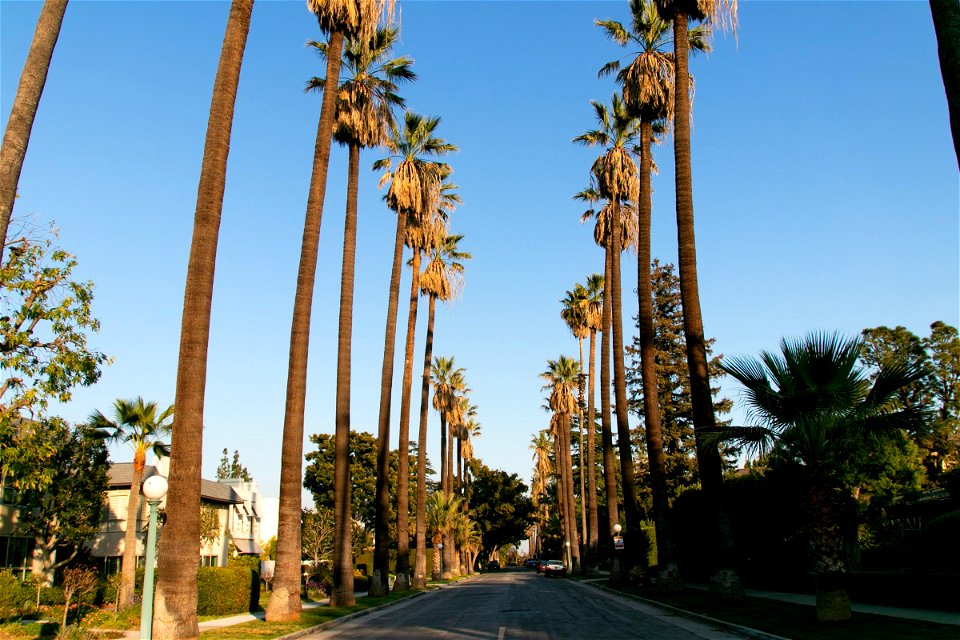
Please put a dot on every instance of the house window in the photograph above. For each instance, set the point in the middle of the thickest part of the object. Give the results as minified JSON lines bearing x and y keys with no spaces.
{"x":114,"y":514}
{"x":209,"y":561}
{"x":16,"y":553}
{"x":111,"y":565}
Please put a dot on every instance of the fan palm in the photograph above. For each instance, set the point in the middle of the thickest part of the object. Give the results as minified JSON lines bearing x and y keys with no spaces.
{"x":561,"y":377}
{"x":414,"y":192}
{"x":615,"y":174}
{"x":815,"y":404}
{"x":140,"y":425}
{"x":574,"y":313}
{"x":442,"y":512}
{"x":442,"y":279}
{"x":175,"y":610}
{"x":647,"y":83}
{"x":16,"y":136}
{"x":722,"y":13}
{"x":594,"y":317}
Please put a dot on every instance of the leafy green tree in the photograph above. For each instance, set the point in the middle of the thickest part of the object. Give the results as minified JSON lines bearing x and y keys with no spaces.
{"x":316,"y":537}
{"x":45,"y":320}
{"x":67,"y":512}
{"x":815,"y":404}
{"x":501,"y":507}
{"x":144,"y":428}
{"x":232,"y":469}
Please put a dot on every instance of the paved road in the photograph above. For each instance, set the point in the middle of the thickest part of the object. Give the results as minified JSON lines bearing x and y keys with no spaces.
{"x":522,"y":605}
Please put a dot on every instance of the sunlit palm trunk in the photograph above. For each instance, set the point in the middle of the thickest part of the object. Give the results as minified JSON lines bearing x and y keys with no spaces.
{"x":708,"y":454}
{"x":379,"y":581}
{"x":175,"y":611}
{"x":128,"y":570}
{"x":583,"y":466}
{"x":402,"y":582}
{"x":566,"y":424}
{"x":285,"y":597}
{"x":627,"y":478}
{"x":668,"y":577}
{"x":593,"y":536}
{"x":606,"y":433}
{"x":420,"y":559}
{"x":16,"y":137}
{"x":341,"y":442}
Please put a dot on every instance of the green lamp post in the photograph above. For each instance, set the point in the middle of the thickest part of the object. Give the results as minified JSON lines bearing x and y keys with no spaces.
{"x":154,"y":488}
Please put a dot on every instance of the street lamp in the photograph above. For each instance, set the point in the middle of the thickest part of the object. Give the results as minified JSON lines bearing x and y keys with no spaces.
{"x":568,"y":559}
{"x":154,"y":488}
{"x":617,"y":547}
{"x":440,"y":546}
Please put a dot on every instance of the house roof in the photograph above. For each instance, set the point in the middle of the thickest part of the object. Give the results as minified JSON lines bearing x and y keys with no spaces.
{"x":121,"y":475}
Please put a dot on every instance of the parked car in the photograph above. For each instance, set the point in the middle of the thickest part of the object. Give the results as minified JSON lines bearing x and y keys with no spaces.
{"x":493,"y":565}
{"x":530,"y":563}
{"x":554,"y":568}
{"x":540,"y":565}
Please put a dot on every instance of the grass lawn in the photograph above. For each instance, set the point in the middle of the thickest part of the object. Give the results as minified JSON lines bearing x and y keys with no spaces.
{"x":798,"y":621}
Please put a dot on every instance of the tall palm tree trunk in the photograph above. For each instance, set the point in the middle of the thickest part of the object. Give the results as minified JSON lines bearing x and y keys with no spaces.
{"x":420,"y":559}
{"x":593,"y":536}
{"x":443,"y":455}
{"x":402,"y":582}
{"x":285,"y":597}
{"x":668,"y":579}
{"x":946,"y":25}
{"x":584,"y":551}
{"x":561,"y":476}
{"x":128,"y":568}
{"x":628,"y":482}
{"x":379,"y":582}
{"x":449,"y":568}
{"x":606,"y":433}
{"x":175,"y":613}
{"x":708,"y":454}
{"x":16,"y":137}
{"x":341,"y":440}
{"x":574,"y":540}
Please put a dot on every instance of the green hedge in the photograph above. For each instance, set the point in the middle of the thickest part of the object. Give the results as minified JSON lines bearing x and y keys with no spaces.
{"x":226,"y":590}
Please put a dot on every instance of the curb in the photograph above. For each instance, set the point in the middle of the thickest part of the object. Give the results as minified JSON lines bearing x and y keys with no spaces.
{"x":723,"y":624}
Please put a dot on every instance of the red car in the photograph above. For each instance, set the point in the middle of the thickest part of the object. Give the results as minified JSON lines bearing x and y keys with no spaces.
{"x":554,"y":568}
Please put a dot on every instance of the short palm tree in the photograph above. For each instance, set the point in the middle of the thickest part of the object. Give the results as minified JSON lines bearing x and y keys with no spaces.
{"x":414,"y":194}
{"x":175,"y":610}
{"x":615,"y":174}
{"x":721,"y":13}
{"x":441,"y":280}
{"x":141,"y":425}
{"x":815,"y":404}
{"x":442,"y":512}
{"x":16,"y":136}
{"x":561,"y":378}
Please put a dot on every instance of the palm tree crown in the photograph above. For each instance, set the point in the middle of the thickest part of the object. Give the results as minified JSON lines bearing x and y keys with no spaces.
{"x":137,"y":423}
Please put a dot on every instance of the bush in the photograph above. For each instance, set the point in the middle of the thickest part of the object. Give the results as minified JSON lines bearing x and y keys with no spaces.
{"x":14,"y":598}
{"x":226,"y":590}
{"x":361,"y":583}
{"x":51,"y":596}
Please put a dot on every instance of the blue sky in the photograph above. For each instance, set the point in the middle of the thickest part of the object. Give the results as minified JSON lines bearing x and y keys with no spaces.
{"x":825,"y":187}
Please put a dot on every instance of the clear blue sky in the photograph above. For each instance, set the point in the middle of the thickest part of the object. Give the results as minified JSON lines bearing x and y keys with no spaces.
{"x":825,"y":186}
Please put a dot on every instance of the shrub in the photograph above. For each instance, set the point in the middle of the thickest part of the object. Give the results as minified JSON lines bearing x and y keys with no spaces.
{"x":226,"y":590}
{"x":14,"y":598}
{"x":361,"y":583}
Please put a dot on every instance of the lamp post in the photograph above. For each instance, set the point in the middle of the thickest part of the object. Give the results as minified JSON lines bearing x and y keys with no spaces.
{"x":567,"y":558}
{"x":617,"y":548}
{"x":440,"y":546}
{"x":154,"y":488}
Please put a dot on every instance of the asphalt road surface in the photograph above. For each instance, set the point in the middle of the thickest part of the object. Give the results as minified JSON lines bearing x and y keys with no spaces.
{"x":520,"y":604}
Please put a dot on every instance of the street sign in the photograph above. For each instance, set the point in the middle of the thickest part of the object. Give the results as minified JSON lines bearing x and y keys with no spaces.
{"x":618,"y":542}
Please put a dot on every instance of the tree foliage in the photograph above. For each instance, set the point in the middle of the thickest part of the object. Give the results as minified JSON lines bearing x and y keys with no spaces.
{"x":232,"y":469}
{"x":316,"y":535}
{"x":45,"y":319}
{"x":500,"y":505}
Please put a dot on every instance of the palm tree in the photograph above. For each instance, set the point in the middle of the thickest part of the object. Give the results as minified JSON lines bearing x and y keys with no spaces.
{"x":16,"y":137}
{"x":574,"y":314}
{"x":647,"y":89}
{"x":340,"y":19}
{"x":138,"y":424}
{"x":615,"y":175}
{"x":414,"y":195}
{"x":175,"y":610}
{"x":561,"y":376}
{"x":814,"y":402}
{"x":447,"y":382}
{"x":441,"y":280}
{"x":722,"y":13}
{"x":364,"y":117}
{"x":424,"y":237}
{"x":543,"y":469}
{"x":593,"y":314}
{"x":946,"y":26}
{"x":442,"y":512}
